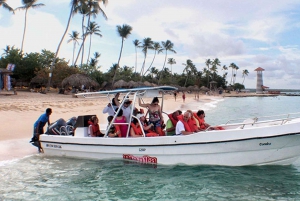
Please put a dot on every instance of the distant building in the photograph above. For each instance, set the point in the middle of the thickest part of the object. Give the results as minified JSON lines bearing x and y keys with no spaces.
{"x":259,"y":82}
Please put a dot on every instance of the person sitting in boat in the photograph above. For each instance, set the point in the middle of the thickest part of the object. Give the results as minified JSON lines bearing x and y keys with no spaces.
{"x":193,"y":122}
{"x":148,"y":127}
{"x":200,"y":115}
{"x":94,"y":129}
{"x":155,"y":115}
{"x":136,"y":129}
{"x":113,"y":130}
{"x":171,"y":123}
{"x":182,"y":127}
{"x":123,"y":127}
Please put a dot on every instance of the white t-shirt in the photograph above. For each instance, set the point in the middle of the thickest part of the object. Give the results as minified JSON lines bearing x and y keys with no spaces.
{"x":109,"y":110}
{"x":126,"y":112}
{"x":179,"y":128}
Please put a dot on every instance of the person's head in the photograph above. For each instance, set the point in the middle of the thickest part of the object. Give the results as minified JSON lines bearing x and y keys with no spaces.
{"x":135,"y":121}
{"x":94,"y":119}
{"x":109,"y":118}
{"x":48,"y":111}
{"x":191,"y":112}
{"x":186,"y":116}
{"x":141,"y":117}
{"x":175,"y":115}
{"x":179,"y":111}
{"x":201,"y":113}
{"x":155,"y":101}
{"x":120,"y":113}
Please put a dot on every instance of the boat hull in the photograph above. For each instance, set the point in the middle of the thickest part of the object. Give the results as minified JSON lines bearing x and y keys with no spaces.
{"x":240,"y":147}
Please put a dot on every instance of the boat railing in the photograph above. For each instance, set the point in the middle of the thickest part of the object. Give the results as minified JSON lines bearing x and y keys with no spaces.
{"x":258,"y":121}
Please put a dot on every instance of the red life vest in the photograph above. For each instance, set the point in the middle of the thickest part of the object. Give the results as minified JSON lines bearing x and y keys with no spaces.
{"x":138,"y":131}
{"x":174,"y":122}
{"x":201,"y":121}
{"x":192,"y":124}
{"x":186,"y":125}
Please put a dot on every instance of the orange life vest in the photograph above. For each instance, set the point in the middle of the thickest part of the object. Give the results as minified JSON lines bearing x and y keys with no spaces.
{"x":201,"y":121}
{"x":186,"y":125}
{"x":174,"y":122}
{"x":138,"y":131}
{"x":192,"y":124}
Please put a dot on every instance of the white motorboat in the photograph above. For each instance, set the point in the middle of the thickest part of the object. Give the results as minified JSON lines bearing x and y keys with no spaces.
{"x":257,"y":141}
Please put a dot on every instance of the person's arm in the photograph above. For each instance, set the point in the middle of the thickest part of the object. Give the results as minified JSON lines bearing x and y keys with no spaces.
{"x":105,"y":110}
{"x":160,"y":115}
{"x":186,"y":132}
{"x":91,"y":131}
{"x":143,"y":104}
{"x":132,"y":133}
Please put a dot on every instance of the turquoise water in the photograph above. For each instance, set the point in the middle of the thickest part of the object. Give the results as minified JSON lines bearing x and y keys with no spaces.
{"x":51,"y":178}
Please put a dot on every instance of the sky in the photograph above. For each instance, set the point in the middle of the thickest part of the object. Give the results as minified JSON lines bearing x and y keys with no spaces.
{"x":248,"y":33}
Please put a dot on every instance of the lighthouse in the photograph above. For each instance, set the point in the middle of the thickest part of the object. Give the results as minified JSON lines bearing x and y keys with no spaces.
{"x":259,"y":82}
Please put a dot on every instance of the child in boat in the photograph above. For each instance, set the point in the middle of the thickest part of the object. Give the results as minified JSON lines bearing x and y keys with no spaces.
{"x":136,"y":128}
{"x":113,"y":131}
{"x":94,"y":129}
{"x":155,"y":115}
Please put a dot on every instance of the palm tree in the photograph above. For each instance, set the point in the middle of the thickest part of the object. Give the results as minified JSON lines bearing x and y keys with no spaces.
{"x":74,"y":37}
{"x":245,"y":73}
{"x":6,"y":6}
{"x":235,"y":74}
{"x":27,"y":4}
{"x":74,"y":3}
{"x":190,"y":69}
{"x":88,"y":8}
{"x":171,"y":61}
{"x":147,"y":44}
{"x":167,"y":46}
{"x":93,"y":28}
{"x":124,"y":31}
{"x":215,"y":63}
{"x":207,"y":71}
{"x":136,"y":43}
{"x":157,"y":49}
{"x":232,"y":66}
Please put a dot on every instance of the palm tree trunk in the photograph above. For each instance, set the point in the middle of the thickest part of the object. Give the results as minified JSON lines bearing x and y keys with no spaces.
{"x":142,"y":70}
{"x":162,"y":67}
{"x":74,"y":46}
{"x":116,"y":70}
{"x":150,"y":64}
{"x":25,"y":24}
{"x":58,"y":48}
{"x":80,"y":49}
{"x":186,"y":80}
{"x":87,"y":61}
{"x":135,"y":60}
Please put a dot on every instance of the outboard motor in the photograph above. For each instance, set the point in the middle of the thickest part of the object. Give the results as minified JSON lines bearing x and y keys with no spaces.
{"x":71,"y":121}
{"x":57,"y":128}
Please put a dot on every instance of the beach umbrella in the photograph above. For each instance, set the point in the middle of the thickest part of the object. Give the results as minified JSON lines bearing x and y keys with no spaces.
{"x":77,"y":80}
{"x":120,"y":84}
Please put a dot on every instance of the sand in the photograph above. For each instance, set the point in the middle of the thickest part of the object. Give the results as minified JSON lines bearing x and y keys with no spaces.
{"x":19,"y":112}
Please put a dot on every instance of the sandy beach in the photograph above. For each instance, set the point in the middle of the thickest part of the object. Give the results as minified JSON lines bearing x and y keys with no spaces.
{"x":19,"y":112}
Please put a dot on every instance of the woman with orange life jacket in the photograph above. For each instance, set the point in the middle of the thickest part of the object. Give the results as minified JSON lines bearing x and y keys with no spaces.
{"x":193,"y":122}
{"x":182,"y":126}
{"x":136,"y":129}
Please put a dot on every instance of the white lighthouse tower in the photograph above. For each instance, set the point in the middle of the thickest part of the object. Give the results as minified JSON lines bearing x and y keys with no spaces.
{"x":259,"y":82}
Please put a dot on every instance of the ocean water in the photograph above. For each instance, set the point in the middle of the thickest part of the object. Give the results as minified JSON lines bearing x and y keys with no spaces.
{"x":39,"y":177}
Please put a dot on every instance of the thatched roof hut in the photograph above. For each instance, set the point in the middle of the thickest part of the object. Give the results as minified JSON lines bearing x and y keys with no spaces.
{"x":120,"y":84}
{"x":38,"y":81}
{"x":203,"y":88}
{"x":132,"y":84}
{"x":77,"y":80}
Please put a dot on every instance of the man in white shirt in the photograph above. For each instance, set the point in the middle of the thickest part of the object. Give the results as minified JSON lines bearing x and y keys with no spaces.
{"x":109,"y":109}
{"x":180,"y":130}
